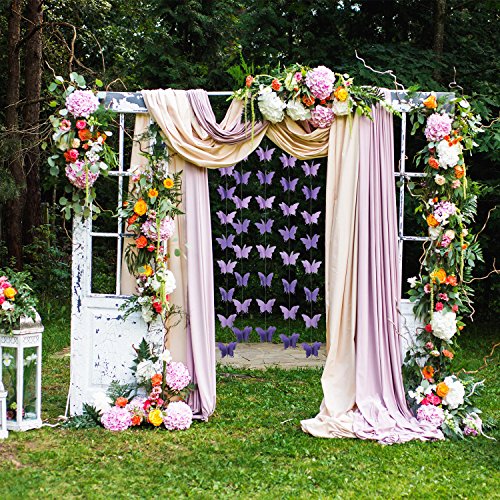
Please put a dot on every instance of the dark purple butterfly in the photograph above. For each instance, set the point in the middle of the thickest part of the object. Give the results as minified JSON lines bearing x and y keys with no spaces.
{"x":290,"y":341}
{"x":265,"y":281}
{"x":264,"y":226}
{"x":265,"y":178}
{"x":242,"y":335}
{"x":310,"y":242}
{"x":311,"y":296}
{"x":242,"y":307}
{"x":242,"y":178}
{"x":265,"y":203}
{"x":288,"y":234}
{"x":225,"y":218}
{"x":311,"y":194}
{"x":311,"y":322}
{"x":289,"y":185}
{"x":289,"y":313}
{"x":289,"y":287}
{"x":265,"y":155}
{"x":266,"y":335}
{"x":241,"y":202}
{"x":225,"y":242}
{"x":289,"y":210}
{"x":226,"y":267}
{"x":226,"y":296}
{"x":265,"y":252}
{"x":310,"y":218}
{"x":226,"y":171}
{"x":241,"y":227}
{"x":227,"y":350}
{"x":289,"y":259}
{"x":310,"y":170}
{"x":226,"y":322}
{"x":242,"y":252}
{"x":226,"y":193}
{"x":311,"y":267}
{"x":311,"y":349}
{"x":266,"y":307}
{"x":288,"y":161}
{"x":242,"y":280}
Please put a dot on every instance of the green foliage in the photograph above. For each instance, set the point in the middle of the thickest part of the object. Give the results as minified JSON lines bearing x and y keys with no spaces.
{"x":89,"y":419}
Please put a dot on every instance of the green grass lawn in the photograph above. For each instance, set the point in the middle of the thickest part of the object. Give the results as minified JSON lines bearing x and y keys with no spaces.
{"x":251,"y":448}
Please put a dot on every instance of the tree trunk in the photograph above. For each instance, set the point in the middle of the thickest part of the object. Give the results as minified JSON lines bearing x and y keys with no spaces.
{"x":31,"y":119}
{"x":438,"y":45}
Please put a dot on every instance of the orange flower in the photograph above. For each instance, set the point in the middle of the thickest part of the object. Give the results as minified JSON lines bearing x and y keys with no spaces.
{"x":428,"y":372}
{"x":430,"y":102}
{"x":308,"y":101}
{"x":10,"y":293}
{"x":451,"y":280}
{"x":156,"y":379}
{"x":249,"y":80}
{"x":85,"y":134}
{"x":153,"y":193}
{"x":433,"y":163}
{"x":341,"y":94}
{"x":132,"y":219}
{"x":461,"y":327}
{"x":448,"y":354}
{"x":431,"y":220}
{"x":148,"y":271}
{"x":121,"y":402}
{"x":136,"y":420}
{"x":459,"y":171}
{"x":442,"y":389}
{"x":276,"y":85}
{"x":439,"y":275}
{"x":141,"y":242}
{"x":140,"y":208}
{"x":168,"y":183}
{"x":125,"y":204}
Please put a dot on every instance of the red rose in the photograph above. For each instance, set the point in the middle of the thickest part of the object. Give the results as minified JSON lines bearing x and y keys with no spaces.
{"x":71,"y":155}
{"x":150,"y":248}
{"x":276,"y":85}
{"x":428,"y":328}
{"x":141,"y":242}
{"x":439,"y":306}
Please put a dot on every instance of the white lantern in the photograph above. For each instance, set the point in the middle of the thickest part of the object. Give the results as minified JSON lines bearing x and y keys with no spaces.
{"x":3,"y":412}
{"x":21,"y":374}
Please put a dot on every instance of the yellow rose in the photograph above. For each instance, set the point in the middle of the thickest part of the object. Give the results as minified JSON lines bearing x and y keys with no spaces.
{"x":341,"y":94}
{"x":430,"y":102}
{"x":148,"y":270}
{"x":155,"y":417}
{"x":152,"y":193}
{"x":140,"y":208}
{"x":439,"y":274}
{"x":442,"y":389}
{"x":9,"y":293}
{"x":168,"y":183}
{"x":432,"y":221}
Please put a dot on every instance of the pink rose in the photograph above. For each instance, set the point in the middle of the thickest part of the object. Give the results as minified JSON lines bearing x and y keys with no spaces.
{"x":455,"y":308}
{"x":81,"y":124}
{"x":65,"y":125}
{"x":298,"y":76}
{"x":2,"y":299}
{"x":439,"y":306}
{"x":427,"y":288}
{"x":431,"y":399}
{"x":443,"y":296}
{"x":429,"y":345}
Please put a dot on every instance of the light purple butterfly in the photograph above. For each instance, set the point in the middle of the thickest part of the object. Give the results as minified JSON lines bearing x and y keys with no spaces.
{"x":288,"y":234}
{"x":311,"y":267}
{"x":242,"y":252}
{"x":290,"y":341}
{"x":311,"y":194}
{"x":289,"y":185}
{"x":265,"y":178}
{"x":242,"y":307}
{"x":266,"y":307}
{"x":265,"y":281}
{"x":310,"y":218}
{"x":289,"y":259}
{"x":226,"y":322}
{"x":226,"y":267}
{"x":287,"y":161}
{"x":265,"y":202}
{"x":227,"y":350}
{"x":311,"y":296}
{"x":226,"y":296}
{"x":311,"y":349}
{"x":265,"y":252}
{"x":225,"y":242}
{"x":226,"y":171}
{"x":311,"y":322}
{"x":266,"y":335}
{"x":289,"y":210}
{"x":264,"y":226}
{"x":225,"y":218}
{"x":244,"y":334}
{"x":265,"y":155}
{"x":226,"y":193}
{"x":242,"y":178}
{"x":289,"y":287}
{"x":242,"y":280}
{"x":310,"y":170}
{"x":241,"y":227}
{"x":289,"y":313}
{"x":241,"y":202}
{"x":310,"y":242}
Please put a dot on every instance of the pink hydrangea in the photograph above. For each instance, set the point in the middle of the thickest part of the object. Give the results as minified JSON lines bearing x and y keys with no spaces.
{"x":432,"y":414}
{"x":320,"y":82}
{"x":177,"y":376}
{"x":116,"y":419}
{"x":82,"y":103}
{"x":76,"y":174}
{"x":443,"y":210}
{"x":178,"y":416}
{"x":473,"y":425}
{"x":437,"y":127}
{"x":167,"y":228}
{"x":322,"y":117}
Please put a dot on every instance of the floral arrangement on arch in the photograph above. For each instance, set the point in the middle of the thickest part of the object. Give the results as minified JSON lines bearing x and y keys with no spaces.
{"x":441,"y":294}
{"x":313,"y":95}
{"x":79,"y":142}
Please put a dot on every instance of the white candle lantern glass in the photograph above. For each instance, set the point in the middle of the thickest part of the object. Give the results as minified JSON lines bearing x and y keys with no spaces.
{"x":3,"y":412}
{"x":21,"y":374}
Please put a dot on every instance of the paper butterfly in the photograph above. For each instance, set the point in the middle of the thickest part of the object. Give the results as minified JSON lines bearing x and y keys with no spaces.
{"x":226,"y":322}
{"x":226,"y":296}
{"x":310,"y":170}
{"x":310,"y":242}
{"x":289,"y":210}
{"x":289,"y":313}
{"x":289,"y":287}
{"x":311,"y":296}
{"x":311,"y":267}
{"x":242,"y":280}
{"x":289,"y":185}
{"x":265,"y":155}
{"x":311,"y":194}
{"x":311,"y":349}
{"x":225,"y":218}
{"x":225,"y":242}
{"x":288,"y":161}
{"x":264,"y":226}
{"x":226,"y":171}
{"x":242,"y":335}
{"x":265,"y":253}
{"x":310,"y":218}
{"x":290,"y":341}
{"x":242,"y":252}
{"x":311,"y":322}
{"x":265,"y":281}
{"x":226,"y":268}
{"x":226,"y":193}
{"x":241,"y":227}
{"x":242,"y":307}
{"x":241,"y":203}
{"x":242,"y":178}
{"x":289,"y":259}
{"x":265,"y":178}
{"x":266,"y":307}
{"x":288,"y":234}
{"x":266,"y":335}
{"x":227,"y":350}
{"x":265,"y":203}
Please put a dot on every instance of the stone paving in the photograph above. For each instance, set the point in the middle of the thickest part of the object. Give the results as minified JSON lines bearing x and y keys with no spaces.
{"x":260,"y":356}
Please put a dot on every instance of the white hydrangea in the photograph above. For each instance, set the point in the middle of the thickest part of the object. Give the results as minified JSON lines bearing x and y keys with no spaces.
{"x":444,"y":324}
{"x":102,"y":402}
{"x":456,"y":393}
{"x":165,"y":277}
{"x":166,"y":357}
{"x":448,"y":156}
{"x":297,"y":111}
{"x":271,"y":107}
{"x":145,"y":370}
{"x":340,"y":108}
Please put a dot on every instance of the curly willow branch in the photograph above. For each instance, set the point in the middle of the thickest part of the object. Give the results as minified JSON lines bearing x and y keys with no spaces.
{"x":389,"y":72}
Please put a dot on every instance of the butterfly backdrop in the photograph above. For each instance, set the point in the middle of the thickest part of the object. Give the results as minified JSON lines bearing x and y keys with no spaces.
{"x":268,"y":236}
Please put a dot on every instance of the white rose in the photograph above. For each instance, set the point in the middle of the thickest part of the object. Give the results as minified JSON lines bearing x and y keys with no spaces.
{"x":439,"y":180}
{"x":271,"y":107}
{"x":169,"y":280}
{"x":145,"y":370}
{"x":76,"y":143}
{"x":341,"y":108}
{"x":7,"y":306}
{"x":465,"y":232}
{"x":444,"y":324}
{"x":450,"y":234}
{"x":297,"y":111}
{"x":102,"y":402}
{"x":456,"y":393}
{"x":434,"y":233}
{"x":166,"y":357}
{"x":412,"y":282}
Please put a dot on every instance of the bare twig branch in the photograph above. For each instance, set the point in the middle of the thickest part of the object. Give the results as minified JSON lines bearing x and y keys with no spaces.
{"x":485,"y":222}
{"x":389,"y":72}
{"x":484,"y":365}
{"x":493,"y":271}
{"x":454,"y":84}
